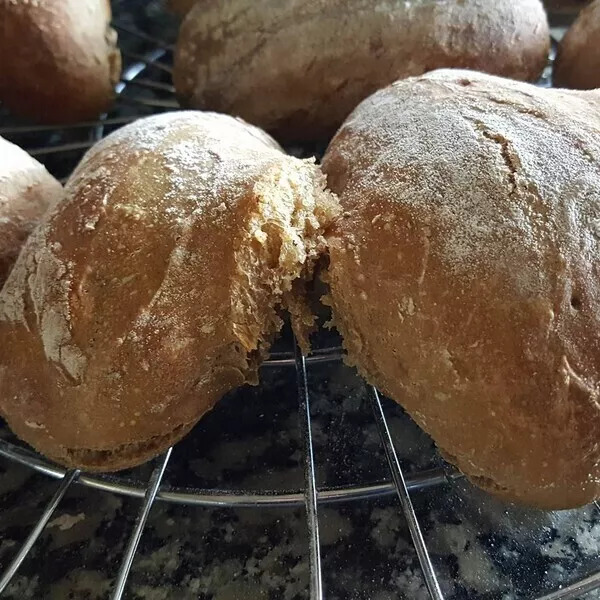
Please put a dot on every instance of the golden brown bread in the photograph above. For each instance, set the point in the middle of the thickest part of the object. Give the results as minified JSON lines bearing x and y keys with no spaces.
{"x":153,"y":288}
{"x":297,"y":68}
{"x":26,"y":191}
{"x":465,"y":273}
{"x":578,"y":59}
{"x":63,"y":62}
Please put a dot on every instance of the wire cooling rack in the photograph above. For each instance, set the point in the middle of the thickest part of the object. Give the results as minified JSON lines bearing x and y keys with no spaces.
{"x":146,"y":88}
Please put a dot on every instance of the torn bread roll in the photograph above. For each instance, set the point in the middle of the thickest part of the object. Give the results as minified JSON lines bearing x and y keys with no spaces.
{"x":465,"y":273}
{"x":60,"y":60}
{"x":154,"y":287}
{"x":26,"y":192}
{"x":297,"y":69}
{"x":577,"y":63}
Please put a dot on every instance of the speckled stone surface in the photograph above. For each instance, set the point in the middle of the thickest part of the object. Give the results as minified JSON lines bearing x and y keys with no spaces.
{"x":480,"y":547}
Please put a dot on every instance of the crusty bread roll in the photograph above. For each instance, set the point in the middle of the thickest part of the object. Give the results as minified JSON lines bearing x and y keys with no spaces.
{"x":26,"y":191}
{"x":465,"y":273}
{"x":578,"y":59}
{"x":153,"y":288}
{"x":297,"y":68}
{"x":60,"y":62}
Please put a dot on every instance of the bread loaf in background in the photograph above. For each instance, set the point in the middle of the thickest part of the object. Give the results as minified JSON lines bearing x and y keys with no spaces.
{"x":154,"y":287}
{"x":26,"y":191}
{"x":465,"y":273}
{"x":297,"y":68}
{"x":60,"y":62}
{"x":578,"y":59}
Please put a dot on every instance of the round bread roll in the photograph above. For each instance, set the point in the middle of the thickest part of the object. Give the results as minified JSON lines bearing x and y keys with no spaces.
{"x":26,"y":191}
{"x":154,"y":287}
{"x":297,"y":68}
{"x":578,"y":59}
{"x":63,"y":62}
{"x":465,"y":273}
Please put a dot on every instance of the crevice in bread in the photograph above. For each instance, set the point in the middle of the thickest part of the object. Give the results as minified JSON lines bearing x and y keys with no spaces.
{"x":507,"y":151}
{"x":484,"y":482}
{"x":276,"y":256}
{"x":489,"y":485}
{"x":520,"y":108}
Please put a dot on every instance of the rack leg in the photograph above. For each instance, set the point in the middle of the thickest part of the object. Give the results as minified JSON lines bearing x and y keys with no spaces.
{"x":316,"y":574}
{"x":67,"y":480}
{"x":134,"y":540}
{"x":409,"y":512}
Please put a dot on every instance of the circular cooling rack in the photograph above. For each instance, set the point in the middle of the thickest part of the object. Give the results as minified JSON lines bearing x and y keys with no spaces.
{"x":146,"y":88}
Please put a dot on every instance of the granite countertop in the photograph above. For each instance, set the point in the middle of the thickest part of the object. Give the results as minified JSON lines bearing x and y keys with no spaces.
{"x":480,"y":547}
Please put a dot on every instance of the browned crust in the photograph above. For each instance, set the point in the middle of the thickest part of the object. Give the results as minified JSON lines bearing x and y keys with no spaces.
{"x":298,"y":68}
{"x":63,"y":61}
{"x":120,"y":457}
{"x":464,"y":275}
{"x":26,"y":191}
{"x":577,"y":63}
{"x":152,"y":289}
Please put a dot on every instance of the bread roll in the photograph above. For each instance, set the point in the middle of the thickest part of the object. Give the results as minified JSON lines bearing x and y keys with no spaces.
{"x":26,"y":191}
{"x":465,"y":274}
{"x":297,"y":68}
{"x":578,"y":59}
{"x":60,"y":60}
{"x":154,"y":287}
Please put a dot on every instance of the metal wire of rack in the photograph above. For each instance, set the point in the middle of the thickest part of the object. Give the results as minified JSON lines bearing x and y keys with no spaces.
{"x":144,"y":89}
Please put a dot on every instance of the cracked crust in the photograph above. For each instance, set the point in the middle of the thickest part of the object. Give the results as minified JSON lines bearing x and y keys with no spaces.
{"x":64,"y":61}
{"x":577,"y":62}
{"x":297,"y":69}
{"x":471,"y":236}
{"x":153,"y":288}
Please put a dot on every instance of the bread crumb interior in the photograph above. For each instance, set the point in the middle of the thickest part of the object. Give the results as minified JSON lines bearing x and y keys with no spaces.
{"x":283,"y":240}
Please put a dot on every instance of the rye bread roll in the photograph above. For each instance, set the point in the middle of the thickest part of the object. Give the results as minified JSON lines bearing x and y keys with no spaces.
{"x":154,"y":287}
{"x":60,"y":61}
{"x":465,"y":273}
{"x":26,"y":191}
{"x":578,"y":59}
{"x":297,"y":68}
